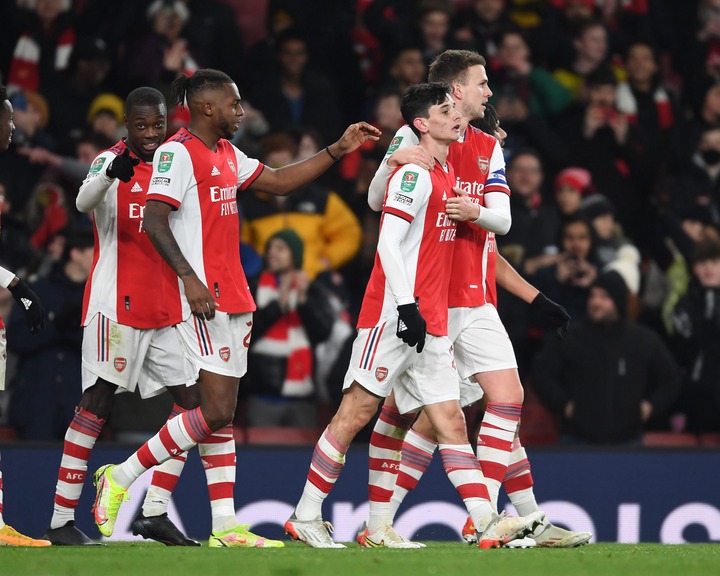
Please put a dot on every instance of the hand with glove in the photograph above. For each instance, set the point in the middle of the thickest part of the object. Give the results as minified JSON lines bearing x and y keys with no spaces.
{"x":550,"y":314}
{"x":411,"y":326}
{"x":123,"y":167}
{"x":30,"y":304}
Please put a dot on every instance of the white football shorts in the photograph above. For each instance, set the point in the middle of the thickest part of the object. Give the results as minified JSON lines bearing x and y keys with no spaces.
{"x":382,"y":363}
{"x":480,"y":341}
{"x":219,"y":345}
{"x":149,"y":359}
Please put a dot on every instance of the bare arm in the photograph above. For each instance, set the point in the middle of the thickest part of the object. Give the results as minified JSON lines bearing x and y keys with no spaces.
{"x":156,"y":226}
{"x":507,"y":277}
{"x":282,"y":181}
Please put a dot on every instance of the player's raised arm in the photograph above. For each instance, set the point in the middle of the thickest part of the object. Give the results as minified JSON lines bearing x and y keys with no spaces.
{"x":105,"y":168}
{"x":282,"y":181}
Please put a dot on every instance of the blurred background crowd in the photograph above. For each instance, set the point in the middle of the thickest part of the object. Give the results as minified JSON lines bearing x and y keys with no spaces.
{"x":612,"y":109}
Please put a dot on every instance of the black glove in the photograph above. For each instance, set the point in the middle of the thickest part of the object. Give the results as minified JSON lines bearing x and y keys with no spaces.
{"x":123,"y":167}
{"x":411,"y":326}
{"x":550,"y":314}
{"x":30,"y":303}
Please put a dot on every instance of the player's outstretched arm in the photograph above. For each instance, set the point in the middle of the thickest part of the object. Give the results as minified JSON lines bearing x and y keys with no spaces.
{"x":156,"y":226}
{"x":550,"y":314}
{"x":282,"y":181}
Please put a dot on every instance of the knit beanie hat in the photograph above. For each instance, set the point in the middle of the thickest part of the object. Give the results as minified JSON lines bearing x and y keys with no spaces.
{"x":612,"y":282}
{"x":294,"y":242}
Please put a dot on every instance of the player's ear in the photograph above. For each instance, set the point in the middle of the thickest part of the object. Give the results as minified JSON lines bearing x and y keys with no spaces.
{"x":420,"y":124}
{"x":207,"y":108}
{"x":456,"y":91}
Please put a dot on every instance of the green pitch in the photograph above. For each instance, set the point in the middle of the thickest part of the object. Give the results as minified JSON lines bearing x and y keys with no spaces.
{"x":438,"y":559}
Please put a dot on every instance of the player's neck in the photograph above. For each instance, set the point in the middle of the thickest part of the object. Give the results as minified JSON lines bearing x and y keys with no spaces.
{"x":208,"y":137}
{"x":438,"y":150}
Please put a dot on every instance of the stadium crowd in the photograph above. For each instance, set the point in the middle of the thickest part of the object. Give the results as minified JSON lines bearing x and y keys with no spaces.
{"x":612,"y":114}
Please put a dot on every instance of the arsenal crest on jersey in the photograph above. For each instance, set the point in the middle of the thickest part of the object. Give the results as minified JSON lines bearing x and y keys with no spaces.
{"x":484,"y":164}
{"x":120,"y":364}
{"x":381,"y":373}
{"x":225,"y":353}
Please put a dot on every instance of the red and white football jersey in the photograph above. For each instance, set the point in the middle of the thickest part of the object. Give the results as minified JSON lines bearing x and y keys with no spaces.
{"x":418,"y":196}
{"x":129,"y":282}
{"x":480,"y":168}
{"x":201,"y":185}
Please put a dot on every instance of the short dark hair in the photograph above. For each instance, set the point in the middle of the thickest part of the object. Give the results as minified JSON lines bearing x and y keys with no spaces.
{"x":452,"y":65}
{"x":3,"y":93}
{"x":601,"y":76}
{"x":706,"y":249}
{"x":419,"y":98}
{"x":144,"y":96}
{"x":184,"y":88}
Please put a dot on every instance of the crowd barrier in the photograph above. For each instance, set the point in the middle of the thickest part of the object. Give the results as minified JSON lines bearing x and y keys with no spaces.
{"x":652,"y":495}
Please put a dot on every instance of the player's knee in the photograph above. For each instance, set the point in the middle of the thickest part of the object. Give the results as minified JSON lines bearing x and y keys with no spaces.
{"x":218,"y":415}
{"x":186,"y":397}
{"x":98,"y":399}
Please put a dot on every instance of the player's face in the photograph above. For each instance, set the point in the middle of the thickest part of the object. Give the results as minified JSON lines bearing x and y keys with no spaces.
{"x":500,"y":135}
{"x":475,"y":93}
{"x":146,"y":126}
{"x":444,"y":121}
{"x":600,"y":307}
{"x":229,"y":111}
{"x":6,"y":125}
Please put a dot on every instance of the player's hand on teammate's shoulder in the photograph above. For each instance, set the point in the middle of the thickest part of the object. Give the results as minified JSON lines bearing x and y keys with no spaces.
{"x":122,"y":166}
{"x":355,"y":136}
{"x":412,"y":155}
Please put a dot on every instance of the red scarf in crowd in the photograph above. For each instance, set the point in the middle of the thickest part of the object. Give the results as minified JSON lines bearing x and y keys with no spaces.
{"x":627,"y":104}
{"x":25,"y":65}
{"x":286,"y":339}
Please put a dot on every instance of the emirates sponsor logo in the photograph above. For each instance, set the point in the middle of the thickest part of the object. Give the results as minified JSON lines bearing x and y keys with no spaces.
{"x":381,"y":373}
{"x":120,"y":364}
{"x":225,"y":353}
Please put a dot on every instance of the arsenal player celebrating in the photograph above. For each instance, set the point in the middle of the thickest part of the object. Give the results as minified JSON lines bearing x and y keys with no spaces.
{"x":128,"y":339}
{"x":191,"y":219}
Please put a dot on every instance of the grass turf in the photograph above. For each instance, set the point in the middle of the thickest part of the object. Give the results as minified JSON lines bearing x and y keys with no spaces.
{"x":441,"y":559}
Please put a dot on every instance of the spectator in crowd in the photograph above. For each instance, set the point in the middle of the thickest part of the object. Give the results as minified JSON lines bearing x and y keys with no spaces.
{"x":106,"y":116}
{"x":590,"y":45}
{"x":695,"y":335}
{"x":596,"y":135}
{"x":293,"y":315}
{"x":518,"y":83}
{"x":609,"y":375}
{"x":44,"y":389}
{"x":405,"y":67}
{"x":73,"y":93}
{"x":43,"y":50}
{"x":649,"y":109}
{"x":568,"y":280}
{"x":162,"y":52}
{"x":483,"y":22}
{"x":293,"y":94}
{"x":329,"y":230}
{"x":699,"y":184}
{"x":600,"y":212}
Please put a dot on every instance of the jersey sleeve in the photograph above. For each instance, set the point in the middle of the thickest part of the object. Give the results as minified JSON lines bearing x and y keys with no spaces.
{"x":96,"y":184}
{"x":172,"y":174}
{"x":403,"y":138}
{"x":496,"y":181}
{"x":248,"y":169}
{"x":408,"y":191}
